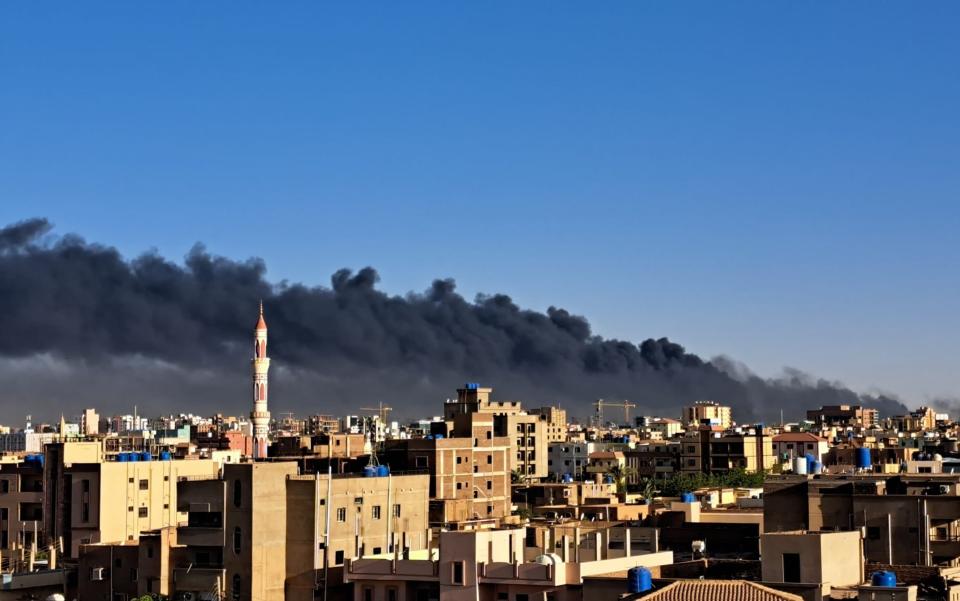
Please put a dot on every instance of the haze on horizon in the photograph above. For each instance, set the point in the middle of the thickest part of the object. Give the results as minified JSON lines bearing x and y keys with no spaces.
{"x":775,"y":184}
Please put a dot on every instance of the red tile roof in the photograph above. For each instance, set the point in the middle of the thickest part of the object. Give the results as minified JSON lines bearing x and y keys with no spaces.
{"x":718,"y":590}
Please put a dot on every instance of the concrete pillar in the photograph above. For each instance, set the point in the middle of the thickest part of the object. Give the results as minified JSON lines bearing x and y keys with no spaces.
{"x":626,"y":541}
{"x":576,"y":544}
{"x":565,"y":548}
{"x":598,"y":544}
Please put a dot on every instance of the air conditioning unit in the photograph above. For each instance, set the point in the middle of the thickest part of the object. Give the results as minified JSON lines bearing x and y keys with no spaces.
{"x":96,"y":574}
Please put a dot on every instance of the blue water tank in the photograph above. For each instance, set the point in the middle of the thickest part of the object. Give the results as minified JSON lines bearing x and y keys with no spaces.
{"x":687,"y":497}
{"x":370,"y":471}
{"x":122,"y":457}
{"x":626,"y":440}
{"x":438,"y":436}
{"x":567,"y":478}
{"x":133,"y":456}
{"x":146,"y":456}
{"x":165,"y":456}
{"x":863,"y":458}
{"x":383,"y":471}
{"x":816,"y":468}
{"x":639,"y":580}
{"x":810,"y":461}
{"x":884,"y":578}
{"x":429,"y":437}
{"x":472,"y":385}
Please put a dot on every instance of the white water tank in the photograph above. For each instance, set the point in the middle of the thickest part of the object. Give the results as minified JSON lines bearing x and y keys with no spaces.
{"x":800,"y":465}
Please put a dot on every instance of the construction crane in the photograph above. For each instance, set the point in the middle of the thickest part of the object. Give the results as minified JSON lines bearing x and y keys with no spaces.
{"x":626,"y":405}
{"x":381,"y":410}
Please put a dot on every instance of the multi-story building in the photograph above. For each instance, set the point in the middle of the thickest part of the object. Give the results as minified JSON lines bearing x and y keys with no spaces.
{"x":260,"y":531}
{"x":555,"y":422}
{"x":469,"y":476}
{"x":90,"y":498}
{"x":790,"y":445}
{"x":570,"y":458}
{"x":21,"y":502}
{"x":709,"y":450}
{"x":655,"y":459}
{"x":843,"y":416}
{"x":528,"y":432}
{"x":911,"y":519}
{"x":90,"y":422}
{"x":707,"y":413}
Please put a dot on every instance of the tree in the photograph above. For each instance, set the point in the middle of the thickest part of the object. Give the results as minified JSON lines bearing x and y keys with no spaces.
{"x":620,"y":473}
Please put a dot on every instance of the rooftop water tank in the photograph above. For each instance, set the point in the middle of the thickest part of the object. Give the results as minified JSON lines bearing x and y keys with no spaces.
{"x":146,"y":456}
{"x":165,"y":456}
{"x":548,"y":559}
{"x":133,"y":456}
{"x":370,"y":471}
{"x":687,"y":497}
{"x":800,"y":465}
{"x":639,"y":580}
{"x":438,"y":436}
{"x":884,"y":578}
{"x":810,"y":459}
{"x":383,"y":471}
{"x":122,"y":457}
{"x":863,"y":458}
{"x":567,"y":478}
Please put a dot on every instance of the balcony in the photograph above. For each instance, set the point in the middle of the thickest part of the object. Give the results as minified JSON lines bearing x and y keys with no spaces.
{"x":201,"y":536}
{"x":201,"y":580}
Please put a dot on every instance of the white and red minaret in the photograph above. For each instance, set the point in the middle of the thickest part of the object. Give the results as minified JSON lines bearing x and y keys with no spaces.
{"x":260,"y":416}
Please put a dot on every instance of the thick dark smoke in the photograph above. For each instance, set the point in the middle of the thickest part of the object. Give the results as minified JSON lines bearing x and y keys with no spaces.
{"x":80,"y":325}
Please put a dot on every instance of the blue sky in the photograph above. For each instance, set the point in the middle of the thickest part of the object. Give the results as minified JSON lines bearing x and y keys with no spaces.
{"x":773,"y":181}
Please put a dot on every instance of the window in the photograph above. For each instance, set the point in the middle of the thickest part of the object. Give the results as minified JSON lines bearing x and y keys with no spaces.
{"x":237,"y":540}
{"x":358,"y":500}
{"x":457,"y":576}
{"x":489,"y":509}
{"x":341,"y":514}
{"x":338,"y":557}
{"x":134,"y":575}
{"x":459,"y":460}
{"x":489,"y":434}
{"x":368,"y":593}
{"x":873,"y":532}
{"x":459,"y":485}
{"x":142,"y":512}
{"x":130,"y":480}
{"x":117,"y":562}
{"x":237,"y":493}
{"x":521,"y":597}
{"x":375,"y":512}
{"x":149,"y":552}
{"x":144,"y":484}
{"x":377,"y":550}
{"x":396,"y":510}
{"x":391,"y":593}
{"x":420,"y":461}
{"x":130,"y":508}
{"x":489,"y":484}
{"x":503,"y":596}
{"x":691,"y":462}
{"x":236,"y":586}
{"x":4,"y":486}
{"x":791,"y":567}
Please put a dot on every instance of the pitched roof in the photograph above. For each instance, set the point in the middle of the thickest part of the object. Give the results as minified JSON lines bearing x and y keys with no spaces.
{"x":718,"y":590}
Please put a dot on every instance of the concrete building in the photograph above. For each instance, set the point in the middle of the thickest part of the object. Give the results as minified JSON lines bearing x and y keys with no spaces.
{"x":129,"y":569}
{"x":260,"y":532}
{"x":843,"y":416}
{"x":90,"y":422}
{"x":790,"y":445}
{"x":709,"y":451}
{"x":89,"y":499}
{"x":469,"y":476}
{"x":497,"y":564}
{"x":21,"y":503}
{"x":911,"y":519}
{"x":655,"y":459}
{"x":26,"y":441}
{"x":572,"y":457}
{"x":707,"y":413}
{"x":817,"y":562}
{"x":528,"y":431}
{"x":555,"y":424}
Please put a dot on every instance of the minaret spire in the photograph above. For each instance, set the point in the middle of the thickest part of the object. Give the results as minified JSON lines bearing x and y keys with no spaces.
{"x":260,"y":416}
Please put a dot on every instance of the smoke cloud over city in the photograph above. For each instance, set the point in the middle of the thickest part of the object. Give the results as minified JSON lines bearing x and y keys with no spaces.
{"x":84,"y":326}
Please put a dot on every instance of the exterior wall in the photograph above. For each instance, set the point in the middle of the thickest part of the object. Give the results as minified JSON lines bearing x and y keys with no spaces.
{"x":123,"y":499}
{"x":834,"y":558}
{"x":21,"y":502}
{"x":708,"y":451}
{"x":707,"y":412}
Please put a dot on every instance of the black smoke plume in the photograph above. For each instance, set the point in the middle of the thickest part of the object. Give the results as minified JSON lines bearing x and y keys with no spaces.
{"x":80,"y":325}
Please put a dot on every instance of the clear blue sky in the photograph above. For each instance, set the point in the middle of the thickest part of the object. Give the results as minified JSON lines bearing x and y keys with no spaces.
{"x":775,"y":181}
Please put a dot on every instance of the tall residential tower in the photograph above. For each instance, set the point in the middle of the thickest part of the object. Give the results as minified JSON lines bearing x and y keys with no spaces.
{"x":260,"y":416}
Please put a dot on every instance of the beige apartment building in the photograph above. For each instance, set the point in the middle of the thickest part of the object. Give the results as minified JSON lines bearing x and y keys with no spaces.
{"x":555,"y":420}
{"x":530,"y":433}
{"x":709,"y":451}
{"x":260,"y":532}
{"x":90,"y":498}
{"x":469,"y":475}
{"x":707,"y":413}
{"x":21,"y":503}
